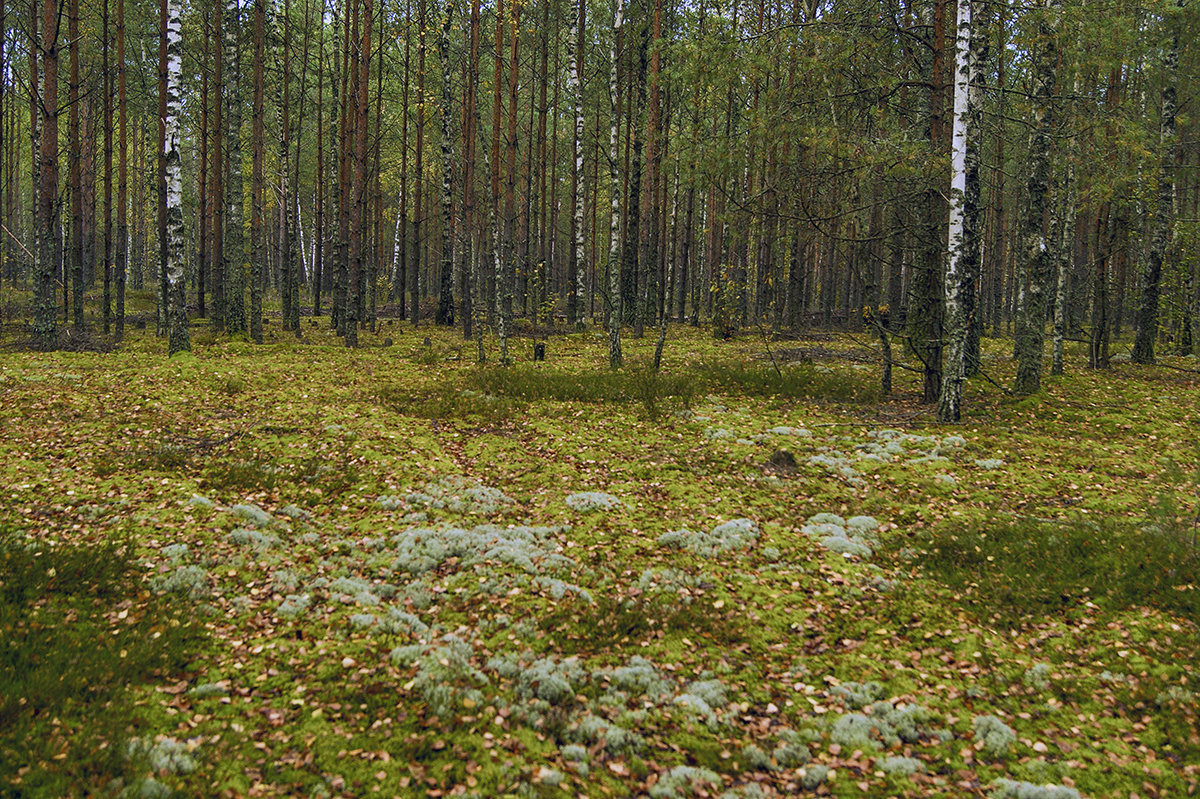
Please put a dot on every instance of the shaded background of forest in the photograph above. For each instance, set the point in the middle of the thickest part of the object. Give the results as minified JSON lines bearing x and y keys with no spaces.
{"x":782,"y":165}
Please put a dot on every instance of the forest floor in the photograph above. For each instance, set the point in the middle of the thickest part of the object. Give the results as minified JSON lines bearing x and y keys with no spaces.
{"x":297,"y":569}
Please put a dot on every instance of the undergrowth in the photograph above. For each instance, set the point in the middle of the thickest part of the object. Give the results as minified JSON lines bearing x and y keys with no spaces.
{"x":1021,"y":567}
{"x":70,"y":651}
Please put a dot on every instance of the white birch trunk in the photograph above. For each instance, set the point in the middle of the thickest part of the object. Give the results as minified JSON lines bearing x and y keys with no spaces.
{"x":576,"y":291}
{"x":614,"y":245}
{"x":177,"y":325}
{"x":961,"y":228}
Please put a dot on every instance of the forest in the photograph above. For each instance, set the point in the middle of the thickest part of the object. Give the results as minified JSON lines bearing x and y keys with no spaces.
{"x":551,"y":398}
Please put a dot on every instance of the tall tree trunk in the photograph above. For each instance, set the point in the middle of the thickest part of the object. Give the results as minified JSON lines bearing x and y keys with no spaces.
{"x":74,"y":163}
{"x":614,"y":246}
{"x":318,"y":274}
{"x":202,"y":189}
{"x":122,"y":175}
{"x":45,"y":323}
{"x":359,"y":181}
{"x":1151,"y":273}
{"x":964,"y":225}
{"x":414,"y":263}
{"x":1034,"y":253}
{"x":257,"y":189}
{"x":575,"y":275}
{"x":217,"y":176}
{"x":234,"y":250}
{"x":445,"y":306}
{"x":108,"y":153}
{"x":177,"y":324}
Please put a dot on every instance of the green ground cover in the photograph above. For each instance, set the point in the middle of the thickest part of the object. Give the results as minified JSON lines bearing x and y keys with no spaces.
{"x":391,"y":572}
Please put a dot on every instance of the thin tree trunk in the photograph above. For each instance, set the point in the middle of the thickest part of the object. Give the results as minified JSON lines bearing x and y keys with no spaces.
{"x":1151,"y":273}
{"x":177,"y":325}
{"x":74,"y":161}
{"x":614,"y":246}
{"x":217,"y":177}
{"x":108,"y":153}
{"x":1034,"y":266}
{"x":575,"y":275}
{"x":445,"y":306}
{"x":257,"y":193}
{"x":963,"y":233}
{"x":234,"y":249}
{"x":45,"y":322}
{"x":122,"y":174}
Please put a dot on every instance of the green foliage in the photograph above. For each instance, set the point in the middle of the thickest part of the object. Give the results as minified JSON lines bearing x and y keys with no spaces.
{"x":70,"y":651}
{"x":1025,"y":567}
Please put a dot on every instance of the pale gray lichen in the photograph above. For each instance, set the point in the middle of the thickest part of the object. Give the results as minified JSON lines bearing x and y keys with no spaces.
{"x":244,"y":536}
{"x":684,"y":781}
{"x":252,"y":515}
{"x":754,"y":757}
{"x":791,"y":751}
{"x":737,"y":534}
{"x":208,"y":690}
{"x":588,"y":501}
{"x":165,"y":755}
{"x":783,"y":430}
{"x":996,"y":736}
{"x":552,"y":680}
{"x":812,"y":776}
{"x":293,"y":605}
{"x":189,"y":581}
{"x":640,"y":678}
{"x":1038,"y":676}
{"x":1002,"y":788}
{"x":446,"y":678}
{"x":857,"y":694}
{"x":200,"y":502}
{"x":898,"y":766}
{"x":284,"y":581}
{"x":617,"y":740}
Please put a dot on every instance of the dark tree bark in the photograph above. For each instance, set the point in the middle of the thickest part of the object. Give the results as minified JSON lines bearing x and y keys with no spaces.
{"x":45,"y":323}
{"x":257,"y":188}
{"x":1151,"y":273}
{"x":1034,"y":252}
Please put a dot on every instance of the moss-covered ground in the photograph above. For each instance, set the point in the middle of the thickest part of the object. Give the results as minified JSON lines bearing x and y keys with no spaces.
{"x":387,"y":592}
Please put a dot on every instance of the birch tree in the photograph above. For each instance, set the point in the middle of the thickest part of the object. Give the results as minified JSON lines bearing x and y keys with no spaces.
{"x":45,"y":321}
{"x":1034,"y":258}
{"x":177,"y":326}
{"x":964,"y":210}
{"x":575,"y":282}
{"x":1147,"y":318}
{"x":614,"y":245}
